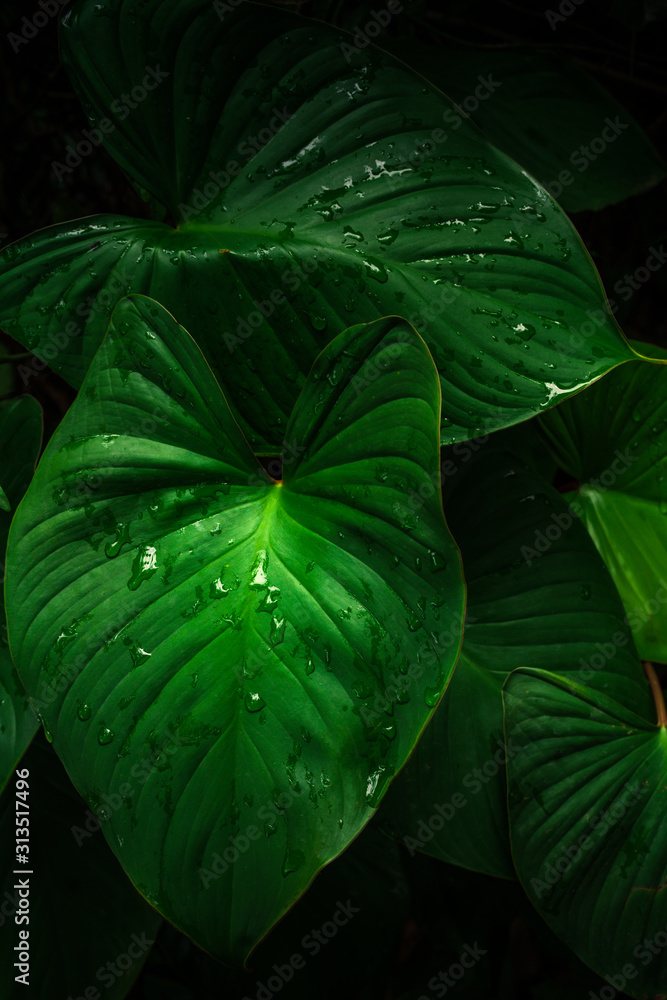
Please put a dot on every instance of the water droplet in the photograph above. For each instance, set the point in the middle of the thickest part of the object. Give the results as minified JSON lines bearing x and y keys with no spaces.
{"x":413,"y":623}
{"x":277,"y":633}
{"x":432,"y":696}
{"x":122,"y":538}
{"x":259,"y":570}
{"x":437,"y":562}
{"x":388,"y":237}
{"x":105,"y":736}
{"x":144,"y":567}
{"x":253,"y":702}
{"x":271,"y":827}
{"x":271,"y":600}
{"x":293,"y":860}
{"x":83,"y":712}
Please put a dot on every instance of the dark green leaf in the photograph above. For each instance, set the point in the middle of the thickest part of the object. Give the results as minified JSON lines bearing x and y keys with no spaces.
{"x":587,"y":800}
{"x":309,"y":183}
{"x":613,"y":440}
{"x":549,"y":115}
{"x":538,"y":595}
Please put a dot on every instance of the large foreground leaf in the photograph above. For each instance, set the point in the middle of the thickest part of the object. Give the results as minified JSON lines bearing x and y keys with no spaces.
{"x":613,"y":440}
{"x":588,"y":807}
{"x":538,"y":595}
{"x":20,"y":442}
{"x":88,"y":930}
{"x":309,"y":182}
{"x":190,"y":610}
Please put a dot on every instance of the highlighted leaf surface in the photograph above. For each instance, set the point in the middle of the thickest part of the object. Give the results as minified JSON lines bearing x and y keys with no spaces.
{"x":215,"y":637}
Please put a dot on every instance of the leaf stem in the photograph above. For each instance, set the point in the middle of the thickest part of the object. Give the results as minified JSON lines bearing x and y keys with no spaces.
{"x":656,"y":691}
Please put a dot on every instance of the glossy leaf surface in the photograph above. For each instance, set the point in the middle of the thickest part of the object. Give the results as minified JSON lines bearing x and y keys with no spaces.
{"x":538,"y":595}
{"x":308,"y":183}
{"x":229,"y":629}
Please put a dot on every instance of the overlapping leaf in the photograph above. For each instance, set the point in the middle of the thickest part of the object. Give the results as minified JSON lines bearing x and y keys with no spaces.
{"x":538,"y":595}
{"x":191,"y":612}
{"x":308,"y":182}
{"x":548,"y":114}
{"x":587,"y":801}
{"x":613,"y":440}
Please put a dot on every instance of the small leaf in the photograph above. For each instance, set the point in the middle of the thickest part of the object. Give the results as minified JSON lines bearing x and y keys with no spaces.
{"x":612,"y":439}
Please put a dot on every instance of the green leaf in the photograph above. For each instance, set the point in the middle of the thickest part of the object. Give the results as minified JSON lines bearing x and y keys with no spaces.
{"x":549,"y":115}
{"x":20,"y":444}
{"x":306,"y":188}
{"x":587,"y":800}
{"x":613,"y":440}
{"x":88,"y":928}
{"x":187,"y":609}
{"x":538,"y":595}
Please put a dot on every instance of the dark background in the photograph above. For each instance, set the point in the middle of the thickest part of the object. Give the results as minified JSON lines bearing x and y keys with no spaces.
{"x":416,"y":914}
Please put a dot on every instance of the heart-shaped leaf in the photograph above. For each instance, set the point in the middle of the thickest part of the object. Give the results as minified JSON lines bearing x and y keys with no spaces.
{"x":188,"y":608}
{"x":308,"y":181}
{"x":538,"y":595}
{"x":613,"y":440}
{"x":587,"y":800}
{"x":88,"y":932}
{"x":20,"y":443}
